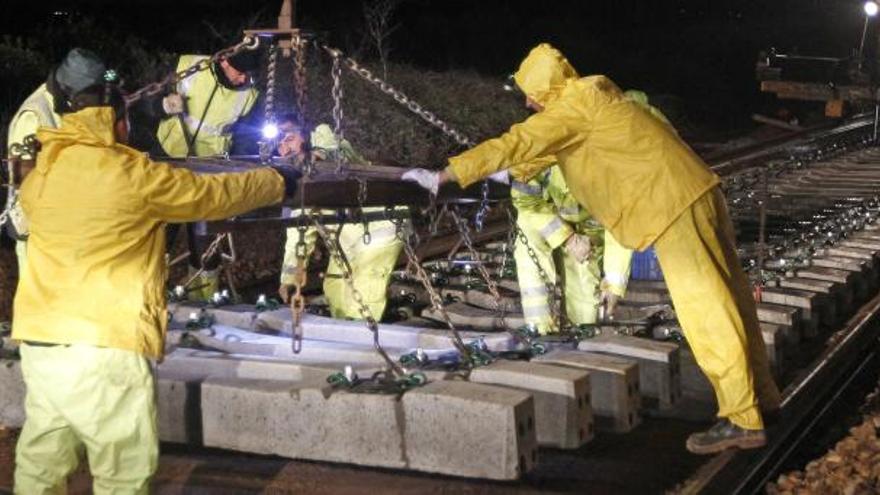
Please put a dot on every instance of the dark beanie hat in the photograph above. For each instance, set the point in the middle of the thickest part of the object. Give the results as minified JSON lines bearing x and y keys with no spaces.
{"x":79,"y":70}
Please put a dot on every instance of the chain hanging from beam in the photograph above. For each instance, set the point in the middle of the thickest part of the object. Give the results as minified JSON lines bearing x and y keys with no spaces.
{"x":153,"y":89}
{"x":436,"y":301}
{"x":335,"y":250}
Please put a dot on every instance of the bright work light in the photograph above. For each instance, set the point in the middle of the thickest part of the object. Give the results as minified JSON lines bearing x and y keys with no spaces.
{"x":270,"y":131}
{"x":871,"y":9}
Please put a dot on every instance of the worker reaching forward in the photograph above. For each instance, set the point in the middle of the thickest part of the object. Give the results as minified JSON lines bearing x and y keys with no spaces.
{"x":90,"y":306}
{"x":647,"y":187}
{"x":198,"y":120}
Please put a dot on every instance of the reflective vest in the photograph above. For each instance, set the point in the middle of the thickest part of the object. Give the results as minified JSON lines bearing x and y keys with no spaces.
{"x":38,"y":110}
{"x":211,"y":128}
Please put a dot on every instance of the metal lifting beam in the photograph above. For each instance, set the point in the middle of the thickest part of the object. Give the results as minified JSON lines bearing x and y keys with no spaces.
{"x":331,"y":186}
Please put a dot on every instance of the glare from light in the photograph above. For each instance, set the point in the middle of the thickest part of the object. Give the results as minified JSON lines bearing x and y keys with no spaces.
{"x":270,"y":131}
{"x":871,"y":9}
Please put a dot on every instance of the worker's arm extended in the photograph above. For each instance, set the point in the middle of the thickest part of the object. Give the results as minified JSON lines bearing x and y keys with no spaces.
{"x":179,"y":195}
{"x":523,"y":149}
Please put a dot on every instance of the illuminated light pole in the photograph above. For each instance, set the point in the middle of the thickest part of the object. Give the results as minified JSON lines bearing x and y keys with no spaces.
{"x":871,"y":9}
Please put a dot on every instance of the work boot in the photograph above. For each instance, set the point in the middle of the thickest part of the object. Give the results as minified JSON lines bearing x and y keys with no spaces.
{"x":724,"y":435}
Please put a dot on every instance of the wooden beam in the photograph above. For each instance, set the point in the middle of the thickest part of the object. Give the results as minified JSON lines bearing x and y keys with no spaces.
{"x":795,"y":90}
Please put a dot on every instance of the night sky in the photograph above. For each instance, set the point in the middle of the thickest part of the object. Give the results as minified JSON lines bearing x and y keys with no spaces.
{"x":702,"y":52}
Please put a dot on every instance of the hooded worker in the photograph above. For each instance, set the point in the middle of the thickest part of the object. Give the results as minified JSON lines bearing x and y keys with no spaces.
{"x":198,"y":119}
{"x":90,"y":306}
{"x":371,"y":248}
{"x":647,"y":187}
{"x":79,"y":70}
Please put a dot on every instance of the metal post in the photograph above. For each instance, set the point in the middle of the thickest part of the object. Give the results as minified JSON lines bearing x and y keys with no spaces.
{"x":862,"y":43}
{"x":876,"y":121}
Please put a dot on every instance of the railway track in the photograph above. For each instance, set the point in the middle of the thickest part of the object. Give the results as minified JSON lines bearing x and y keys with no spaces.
{"x":815,"y":193}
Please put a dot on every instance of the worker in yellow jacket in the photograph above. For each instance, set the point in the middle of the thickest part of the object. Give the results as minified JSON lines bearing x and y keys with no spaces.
{"x":43,"y":108}
{"x":198,"y":119}
{"x":553,"y":223}
{"x":90,"y":308}
{"x":371,"y":258}
{"x":647,"y":187}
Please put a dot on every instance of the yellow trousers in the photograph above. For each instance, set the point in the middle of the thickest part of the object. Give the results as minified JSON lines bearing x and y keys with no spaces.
{"x":92,"y":399}
{"x":580,"y":280}
{"x":371,"y":267}
{"x":714,"y":304}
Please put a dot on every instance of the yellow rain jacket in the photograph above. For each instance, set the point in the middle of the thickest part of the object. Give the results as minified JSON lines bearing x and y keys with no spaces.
{"x":628,"y":168}
{"x":226,"y":107}
{"x":644,"y":184}
{"x":96,"y":272}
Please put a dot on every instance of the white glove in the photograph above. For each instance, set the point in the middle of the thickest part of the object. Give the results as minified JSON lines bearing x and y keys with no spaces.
{"x":172,"y":104}
{"x":502,"y":177}
{"x":428,"y":179}
{"x":579,"y":247}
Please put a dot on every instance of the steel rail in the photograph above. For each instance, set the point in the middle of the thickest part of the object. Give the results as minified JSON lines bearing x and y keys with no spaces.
{"x":804,"y":402}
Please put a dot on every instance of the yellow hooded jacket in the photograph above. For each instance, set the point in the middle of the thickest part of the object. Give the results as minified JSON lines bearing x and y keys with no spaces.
{"x":96,"y":267}
{"x":628,"y":168}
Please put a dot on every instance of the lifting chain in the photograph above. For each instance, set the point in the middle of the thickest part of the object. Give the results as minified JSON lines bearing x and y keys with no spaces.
{"x":400,"y":97}
{"x":336,"y":93}
{"x":335,"y":250}
{"x":298,"y":301}
{"x":299,"y":75}
{"x":271,"y":70}
{"x":436,"y":301}
{"x":491,"y":285}
{"x":410,"y":104}
{"x":553,"y":295}
{"x":153,"y":89}
{"x":362,"y":198}
{"x":483,"y":210}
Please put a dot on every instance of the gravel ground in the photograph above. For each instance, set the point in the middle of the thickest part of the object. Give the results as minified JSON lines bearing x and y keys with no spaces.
{"x":851,"y":467}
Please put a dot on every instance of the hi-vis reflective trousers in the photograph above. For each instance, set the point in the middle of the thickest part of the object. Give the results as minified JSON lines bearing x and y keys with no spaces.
{"x":717,"y":312}
{"x":581,"y":280}
{"x":96,"y":400}
{"x":371,"y":266}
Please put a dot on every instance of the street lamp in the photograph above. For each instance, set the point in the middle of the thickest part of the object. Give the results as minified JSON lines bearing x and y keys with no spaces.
{"x":871,"y":9}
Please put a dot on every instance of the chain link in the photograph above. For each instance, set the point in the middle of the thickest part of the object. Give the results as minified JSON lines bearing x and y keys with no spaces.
{"x":336,"y":93}
{"x":299,"y":74}
{"x":335,"y":250}
{"x":554,"y":300}
{"x":401,"y":97}
{"x":271,"y":70}
{"x":480,"y":217}
{"x":362,"y":198}
{"x":436,"y":301}
{"x":153,"y":89}
{"x":491,"y":285}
